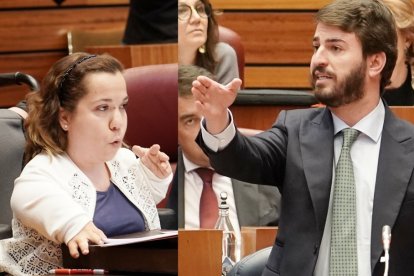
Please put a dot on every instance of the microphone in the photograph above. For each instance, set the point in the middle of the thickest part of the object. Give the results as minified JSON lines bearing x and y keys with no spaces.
{"x":386,"y":240}
{"x":386,"y":237}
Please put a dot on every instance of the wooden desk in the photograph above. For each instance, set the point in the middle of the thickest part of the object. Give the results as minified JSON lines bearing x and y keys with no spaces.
{"x":255,"y":238}
{"x":158,"y":257}
{"x":139,"y":55}
{"x":199,"y":252}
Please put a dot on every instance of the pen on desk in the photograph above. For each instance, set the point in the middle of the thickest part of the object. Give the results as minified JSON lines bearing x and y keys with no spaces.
{"x":71,"y":271}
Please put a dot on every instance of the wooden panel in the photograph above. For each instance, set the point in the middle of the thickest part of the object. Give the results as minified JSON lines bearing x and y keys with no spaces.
{"x":79,"y":39}
{"x":277,"y":77}
{"x":34,"y":64}
{"x":139,"y":55}
{"x":256,"y":238}
{"x":50,"y":3}
{"x":404,"y":112}
{"x":199,"y":252}
{"x":270,"y":38}
{"x":259,"y":117}
{"x":269,"y":4}
{"x":263,"y":117}
{"x":11,"y":95}
{"x":33,"y":34}
{"x":278,"y":47}
{"x":46,"y":29}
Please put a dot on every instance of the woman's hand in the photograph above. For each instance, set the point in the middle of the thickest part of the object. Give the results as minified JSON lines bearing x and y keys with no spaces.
{"x":154,"y":159}
{"x":89,"y":233}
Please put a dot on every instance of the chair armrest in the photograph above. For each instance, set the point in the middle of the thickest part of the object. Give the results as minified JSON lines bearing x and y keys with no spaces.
{"x":168,"y":218}
{"x":275,"y":97}
{"x":5,"y":231}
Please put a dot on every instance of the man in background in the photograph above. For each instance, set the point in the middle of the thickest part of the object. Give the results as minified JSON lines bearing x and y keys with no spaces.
{"x":250,"y":204}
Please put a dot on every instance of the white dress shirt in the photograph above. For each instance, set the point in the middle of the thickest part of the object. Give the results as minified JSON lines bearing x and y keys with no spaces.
{"x":192,"y":194}
{"x":364,"y":154}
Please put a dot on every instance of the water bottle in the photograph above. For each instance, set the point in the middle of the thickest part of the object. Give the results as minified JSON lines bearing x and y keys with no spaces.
{"x":230,"y":243}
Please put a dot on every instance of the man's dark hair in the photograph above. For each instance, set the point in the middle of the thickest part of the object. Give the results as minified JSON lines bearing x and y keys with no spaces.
{"x":372,"y":23}
{"x":186,"y":75}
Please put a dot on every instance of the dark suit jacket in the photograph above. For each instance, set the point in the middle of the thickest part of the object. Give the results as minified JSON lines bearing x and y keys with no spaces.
{"x":151,"y":21}
{"x":256,"y":205}
{"x":297,"y":152}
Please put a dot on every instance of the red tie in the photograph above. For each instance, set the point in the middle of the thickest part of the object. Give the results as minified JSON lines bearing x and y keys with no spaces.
{"x":208,"y":200}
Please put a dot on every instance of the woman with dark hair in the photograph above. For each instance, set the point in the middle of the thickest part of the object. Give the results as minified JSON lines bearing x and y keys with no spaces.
{"x":80,"y":185}
{"x":198,"y":41}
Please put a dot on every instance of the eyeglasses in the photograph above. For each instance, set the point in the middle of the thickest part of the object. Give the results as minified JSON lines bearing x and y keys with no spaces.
{"x":185,"y":11}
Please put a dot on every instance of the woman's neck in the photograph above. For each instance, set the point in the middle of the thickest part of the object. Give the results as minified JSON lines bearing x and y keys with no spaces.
{"x":187,"y":57}
{"x":98,"y":173}
{"x":100,"y":178}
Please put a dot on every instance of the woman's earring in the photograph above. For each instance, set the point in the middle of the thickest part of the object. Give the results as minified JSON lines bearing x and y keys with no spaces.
{"x":412,"y":76}
{"x":65,"y":127}
{"x":202,"y":49}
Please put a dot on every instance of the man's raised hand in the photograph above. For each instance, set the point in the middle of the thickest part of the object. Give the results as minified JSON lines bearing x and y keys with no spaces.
{"x":213,"y":100}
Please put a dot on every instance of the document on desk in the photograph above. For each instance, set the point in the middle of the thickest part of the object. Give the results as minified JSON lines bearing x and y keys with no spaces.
{"x":139,"y":237}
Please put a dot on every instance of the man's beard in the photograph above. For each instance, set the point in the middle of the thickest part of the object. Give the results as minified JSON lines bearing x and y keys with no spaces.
{"x":345,"y":91}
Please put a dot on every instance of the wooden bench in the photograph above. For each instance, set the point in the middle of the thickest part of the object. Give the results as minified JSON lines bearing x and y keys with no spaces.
{"x":404,"y":112}
{"x":277,"y":38}
{"x":261,"y":115}
{"x":269,"y":4}
{"x":33,"y":34}
{"x":140,"y":55}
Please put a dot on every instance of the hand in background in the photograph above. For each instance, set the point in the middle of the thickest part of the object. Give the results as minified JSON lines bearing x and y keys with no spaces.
{"x":89,"y":233}
{"x":213,"y":99}
{"x":154,"y":159}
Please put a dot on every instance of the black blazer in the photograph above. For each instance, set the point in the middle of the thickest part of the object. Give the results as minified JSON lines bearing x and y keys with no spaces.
{"x":151,"y":21}
{"x":297,"y":152}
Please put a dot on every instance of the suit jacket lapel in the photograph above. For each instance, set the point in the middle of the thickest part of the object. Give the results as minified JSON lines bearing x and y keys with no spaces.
{"x":393,"y":175}
{"x":318,"y":161}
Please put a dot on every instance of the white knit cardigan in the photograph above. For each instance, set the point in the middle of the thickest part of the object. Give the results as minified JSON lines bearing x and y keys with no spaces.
{"x":53,"y":200}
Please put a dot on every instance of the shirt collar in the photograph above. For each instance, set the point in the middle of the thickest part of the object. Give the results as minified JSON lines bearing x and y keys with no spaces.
{"x":371,"y":125}
{"x":190,"y":166}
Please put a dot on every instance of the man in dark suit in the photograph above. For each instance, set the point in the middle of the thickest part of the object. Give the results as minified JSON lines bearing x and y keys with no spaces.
{"x":250,"y":204}
{"x":354,"y":56}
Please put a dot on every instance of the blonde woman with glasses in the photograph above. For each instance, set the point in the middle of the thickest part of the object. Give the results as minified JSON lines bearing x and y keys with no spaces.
{"x":401,"y":89}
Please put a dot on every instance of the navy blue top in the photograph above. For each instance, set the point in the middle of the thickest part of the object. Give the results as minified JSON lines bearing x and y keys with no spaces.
{"x":115,"y":214}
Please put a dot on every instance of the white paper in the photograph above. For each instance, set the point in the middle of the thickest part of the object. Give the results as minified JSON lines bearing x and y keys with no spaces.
{"x":146,"y":236}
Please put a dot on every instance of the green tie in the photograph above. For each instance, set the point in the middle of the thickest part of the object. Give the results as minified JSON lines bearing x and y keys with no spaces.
{"x":343,"y":259}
